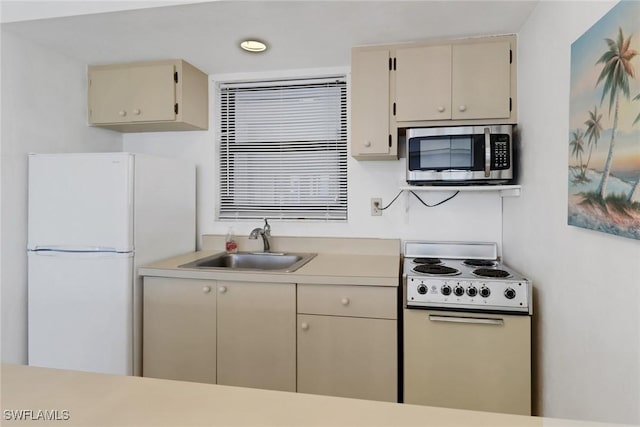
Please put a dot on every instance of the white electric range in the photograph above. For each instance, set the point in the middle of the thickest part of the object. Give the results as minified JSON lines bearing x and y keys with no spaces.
{"x":467,"y":328}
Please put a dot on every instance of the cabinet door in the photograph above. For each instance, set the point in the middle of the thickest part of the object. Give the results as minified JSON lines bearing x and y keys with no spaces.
{"x":370,"y":102}
{"x":179,"y":329}
{"x":348,"y":356}
{"x":423,"y":83}
{"x":153,"y":93}
{"x":108,"y":95}
{"x":481,"y":81}
{"x":257,"y":335}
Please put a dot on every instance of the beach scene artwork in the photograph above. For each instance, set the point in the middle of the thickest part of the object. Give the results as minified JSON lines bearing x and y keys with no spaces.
{"x":604,"y":125}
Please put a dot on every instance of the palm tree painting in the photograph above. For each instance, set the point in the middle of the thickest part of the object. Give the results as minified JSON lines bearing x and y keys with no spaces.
{"x":604,"y":123}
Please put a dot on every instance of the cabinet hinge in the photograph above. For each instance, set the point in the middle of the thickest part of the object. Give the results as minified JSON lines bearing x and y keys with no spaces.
{"x":390,"y":64}
{"x":394,"y":108}
{"x":175,"y":108}
{"x":394,"y":63}
{"x":510,"y":56}
{"x":175,"y":77}
{"x":510,"y":104}
{"x":390,"y":143}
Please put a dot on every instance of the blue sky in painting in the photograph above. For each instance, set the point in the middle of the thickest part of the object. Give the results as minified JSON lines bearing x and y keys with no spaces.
{"x":585,"y":52}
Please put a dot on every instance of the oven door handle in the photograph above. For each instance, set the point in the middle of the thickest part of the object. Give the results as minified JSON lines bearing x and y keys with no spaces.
{"x":487,"y":152}
{"x":474,"y":320}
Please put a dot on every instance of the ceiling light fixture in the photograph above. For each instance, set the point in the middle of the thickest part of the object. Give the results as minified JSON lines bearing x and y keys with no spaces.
{"x":253,"y":46}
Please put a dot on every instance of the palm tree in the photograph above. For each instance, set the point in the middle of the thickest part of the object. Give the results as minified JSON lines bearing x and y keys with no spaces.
{"x":577,"y":148}
{"x":615,"y":75}
{"x":634,"y":194}
{"x":594,"y":127}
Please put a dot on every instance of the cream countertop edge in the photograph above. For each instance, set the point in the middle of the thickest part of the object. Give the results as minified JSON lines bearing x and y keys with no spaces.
{"x":101,"y":400}
{"x":325,"y":268}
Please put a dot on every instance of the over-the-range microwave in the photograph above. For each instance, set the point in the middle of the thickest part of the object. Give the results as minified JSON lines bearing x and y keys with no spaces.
{"x":460,"y":155}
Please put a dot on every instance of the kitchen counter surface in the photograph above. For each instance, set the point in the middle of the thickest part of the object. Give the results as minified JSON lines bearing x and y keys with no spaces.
{"x":97,"y":400}
{"x":325,"y":268}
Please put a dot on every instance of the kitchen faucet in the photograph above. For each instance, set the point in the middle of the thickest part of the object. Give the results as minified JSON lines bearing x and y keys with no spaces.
{"x":265,"y":232}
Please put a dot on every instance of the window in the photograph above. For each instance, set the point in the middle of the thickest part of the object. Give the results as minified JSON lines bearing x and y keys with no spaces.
{"x":283,"y":149}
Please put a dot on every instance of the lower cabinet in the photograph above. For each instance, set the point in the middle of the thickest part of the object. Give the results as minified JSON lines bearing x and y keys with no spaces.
{"x":232,"y":333}
{"x":179,"y":332}
{"x":257,"y":335}
{"x":348,"y":341}
{"x":341,"y":340}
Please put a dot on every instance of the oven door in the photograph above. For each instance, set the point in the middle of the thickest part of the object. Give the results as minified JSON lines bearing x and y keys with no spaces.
{"x":475,"y":361}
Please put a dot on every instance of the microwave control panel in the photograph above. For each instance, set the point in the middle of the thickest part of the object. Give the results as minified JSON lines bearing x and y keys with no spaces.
{"x":500,"y":153}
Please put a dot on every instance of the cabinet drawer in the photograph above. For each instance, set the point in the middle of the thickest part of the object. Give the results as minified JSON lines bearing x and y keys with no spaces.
{"x":353,"y":301}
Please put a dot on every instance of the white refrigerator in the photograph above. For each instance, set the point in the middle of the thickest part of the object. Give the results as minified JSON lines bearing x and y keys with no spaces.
{"x":94,"y":218}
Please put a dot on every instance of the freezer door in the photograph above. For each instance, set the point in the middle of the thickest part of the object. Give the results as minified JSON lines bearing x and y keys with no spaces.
{"x":80,"y":311}
{"x":81,"y":201}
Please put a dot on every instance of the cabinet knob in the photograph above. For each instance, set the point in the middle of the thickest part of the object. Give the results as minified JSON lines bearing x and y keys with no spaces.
{"x":222,"y":289}
{"x":136,"y":111}
{"x":206,"y":289}
{"x":304,"y":326}
{"x":441,"y":109}
{"x":462,"y":108}
{"x":122,"y":113}
{"x":367,"y":144}
{"x":345,"y":301}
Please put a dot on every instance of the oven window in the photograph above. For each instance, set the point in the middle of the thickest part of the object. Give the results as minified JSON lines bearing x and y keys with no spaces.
{"x":441,"y":153}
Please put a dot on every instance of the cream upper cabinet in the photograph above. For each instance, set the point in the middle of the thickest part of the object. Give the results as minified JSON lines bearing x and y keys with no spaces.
{"x":257,"y":335}
{"x":439,"y":83}
{"x":423,"y":83}
{"x":466,"y":81}
{"x":347,"y":341}
{"x":151,"y":96}
{"x":481,"y":81}
{"x":179,"y":332}
{"x":370,"y":136}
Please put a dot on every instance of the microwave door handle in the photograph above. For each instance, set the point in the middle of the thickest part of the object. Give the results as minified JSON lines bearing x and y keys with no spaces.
{"x":487,"y":152}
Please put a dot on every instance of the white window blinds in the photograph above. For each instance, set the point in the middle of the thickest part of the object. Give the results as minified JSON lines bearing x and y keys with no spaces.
{"x":283,"y":149}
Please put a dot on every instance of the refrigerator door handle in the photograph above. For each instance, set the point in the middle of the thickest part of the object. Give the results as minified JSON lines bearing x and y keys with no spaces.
{"x":56,"y":248}
{"x":79,"y":254}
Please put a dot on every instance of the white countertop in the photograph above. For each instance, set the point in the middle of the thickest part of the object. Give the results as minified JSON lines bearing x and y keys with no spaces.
{"x":99,"y":400}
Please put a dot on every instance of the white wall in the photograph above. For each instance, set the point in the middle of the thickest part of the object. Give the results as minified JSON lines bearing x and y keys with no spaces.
{"x":43,"y":110}
{"x":587,"y":305}
{"x":475,"y":217}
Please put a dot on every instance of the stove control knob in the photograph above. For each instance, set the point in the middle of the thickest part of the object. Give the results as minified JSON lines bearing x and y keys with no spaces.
{"x":472,"y":291}
{"x":509,"y":293}
{"x":458,"y":291}
{"x":422,"y":289}
{"x":446,"y":290}
{"x":485,"y":292}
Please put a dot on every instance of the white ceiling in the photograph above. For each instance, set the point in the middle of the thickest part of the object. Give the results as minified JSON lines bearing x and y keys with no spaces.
{"x":300,"y":34}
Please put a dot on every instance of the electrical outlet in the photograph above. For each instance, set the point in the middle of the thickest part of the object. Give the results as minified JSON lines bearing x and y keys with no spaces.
{"x":376,"y":206}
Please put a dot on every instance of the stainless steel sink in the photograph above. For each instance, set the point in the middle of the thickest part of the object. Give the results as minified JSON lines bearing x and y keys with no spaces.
{"x":272,"y":261}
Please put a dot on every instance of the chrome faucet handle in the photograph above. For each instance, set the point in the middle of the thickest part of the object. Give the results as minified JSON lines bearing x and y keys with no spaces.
{"x":267,"y":227}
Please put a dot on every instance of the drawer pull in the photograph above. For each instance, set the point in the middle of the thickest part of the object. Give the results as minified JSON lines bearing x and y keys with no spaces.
{"x":222,"y":289}
{"x":122,"y":113}
{"x":345,"y":301}
{"x":136,"y":112}
{"x":206,"y":289}
{"x":304,"y":326}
